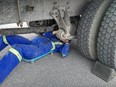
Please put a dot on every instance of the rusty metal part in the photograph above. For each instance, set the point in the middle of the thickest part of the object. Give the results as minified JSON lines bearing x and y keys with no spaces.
{"x":13,"y":31}
{"x":30,"y":8}
{"x":9,"y":13}
{"x":40,"y":23}
{"x":63,"y":23}
{"x":20,"y":22}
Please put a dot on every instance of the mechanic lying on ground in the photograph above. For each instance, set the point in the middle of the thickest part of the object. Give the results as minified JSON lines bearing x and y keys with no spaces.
{"x":24,"y":49}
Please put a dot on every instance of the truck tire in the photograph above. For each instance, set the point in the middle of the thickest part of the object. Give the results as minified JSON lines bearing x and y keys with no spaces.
{"x":88,"y":28}
{"x":106,"y":46}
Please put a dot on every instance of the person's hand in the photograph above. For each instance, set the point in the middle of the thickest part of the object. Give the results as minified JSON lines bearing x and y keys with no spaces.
{"x":62,"y":39}
{"x":65,"y":40}
{"x":55,"y":32}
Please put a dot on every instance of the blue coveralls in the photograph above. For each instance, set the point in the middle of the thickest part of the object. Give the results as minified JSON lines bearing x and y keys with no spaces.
{"x":22,"y":48}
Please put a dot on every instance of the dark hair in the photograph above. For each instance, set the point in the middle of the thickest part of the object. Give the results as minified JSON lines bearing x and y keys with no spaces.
{"x":55,"y":27}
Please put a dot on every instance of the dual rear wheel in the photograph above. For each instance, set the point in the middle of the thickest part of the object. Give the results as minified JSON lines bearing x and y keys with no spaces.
{"x":96,"y":32}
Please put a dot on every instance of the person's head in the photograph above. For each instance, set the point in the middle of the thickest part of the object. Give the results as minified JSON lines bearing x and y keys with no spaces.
{"x":55,"y":31}
{"x":55,"y":26}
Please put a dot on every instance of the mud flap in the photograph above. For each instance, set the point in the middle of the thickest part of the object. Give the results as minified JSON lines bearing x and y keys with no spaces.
{"x":104,"y":72}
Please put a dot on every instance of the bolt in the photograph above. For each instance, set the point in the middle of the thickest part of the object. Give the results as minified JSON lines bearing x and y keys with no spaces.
{"x":55,"y":3}
{"x":68,"y":7}
{"x":30,"y":8}
{"x":67,"y":2}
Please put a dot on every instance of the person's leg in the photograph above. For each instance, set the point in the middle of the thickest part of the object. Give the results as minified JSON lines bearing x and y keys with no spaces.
{"x":15,"y":39}
{"x":2,"y":44}
{"x":12,"y":39}
{"x":16,"y":54}
{"x":9,"y":62}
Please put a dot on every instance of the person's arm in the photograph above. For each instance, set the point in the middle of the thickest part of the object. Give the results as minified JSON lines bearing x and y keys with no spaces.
{"x":48,"y":34}
{"x":65,"y":49}
{"x":12,"y":39}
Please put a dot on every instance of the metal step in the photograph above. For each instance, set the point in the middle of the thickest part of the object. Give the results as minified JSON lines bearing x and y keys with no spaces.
{"x":104,"y":72}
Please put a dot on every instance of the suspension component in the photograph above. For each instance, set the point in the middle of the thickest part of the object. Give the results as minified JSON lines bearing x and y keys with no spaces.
{"x":63,"y":23}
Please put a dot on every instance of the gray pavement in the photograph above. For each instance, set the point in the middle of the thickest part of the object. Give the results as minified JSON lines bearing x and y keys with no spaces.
{"x":55,"y":71}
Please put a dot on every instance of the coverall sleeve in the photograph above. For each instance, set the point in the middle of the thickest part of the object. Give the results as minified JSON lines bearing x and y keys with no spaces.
{"x":65,"y":50}
{"x":48,"y":34}
{"x":12,"y":39}
{"x":15,"y":39}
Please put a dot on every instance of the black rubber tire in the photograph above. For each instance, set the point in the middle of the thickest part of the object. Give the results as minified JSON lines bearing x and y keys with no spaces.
{"x":106,"y":46}
{"x":88,"y":28}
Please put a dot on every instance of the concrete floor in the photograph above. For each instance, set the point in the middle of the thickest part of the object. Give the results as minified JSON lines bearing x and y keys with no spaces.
{"x":55,"y":71}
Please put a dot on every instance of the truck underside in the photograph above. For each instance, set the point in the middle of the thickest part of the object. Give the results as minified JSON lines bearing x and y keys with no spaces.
{"x":14,"y":11}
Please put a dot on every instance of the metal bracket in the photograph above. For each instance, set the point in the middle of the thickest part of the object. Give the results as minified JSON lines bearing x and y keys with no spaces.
{"x":20,"y":22}
{"x":63,"y":23}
